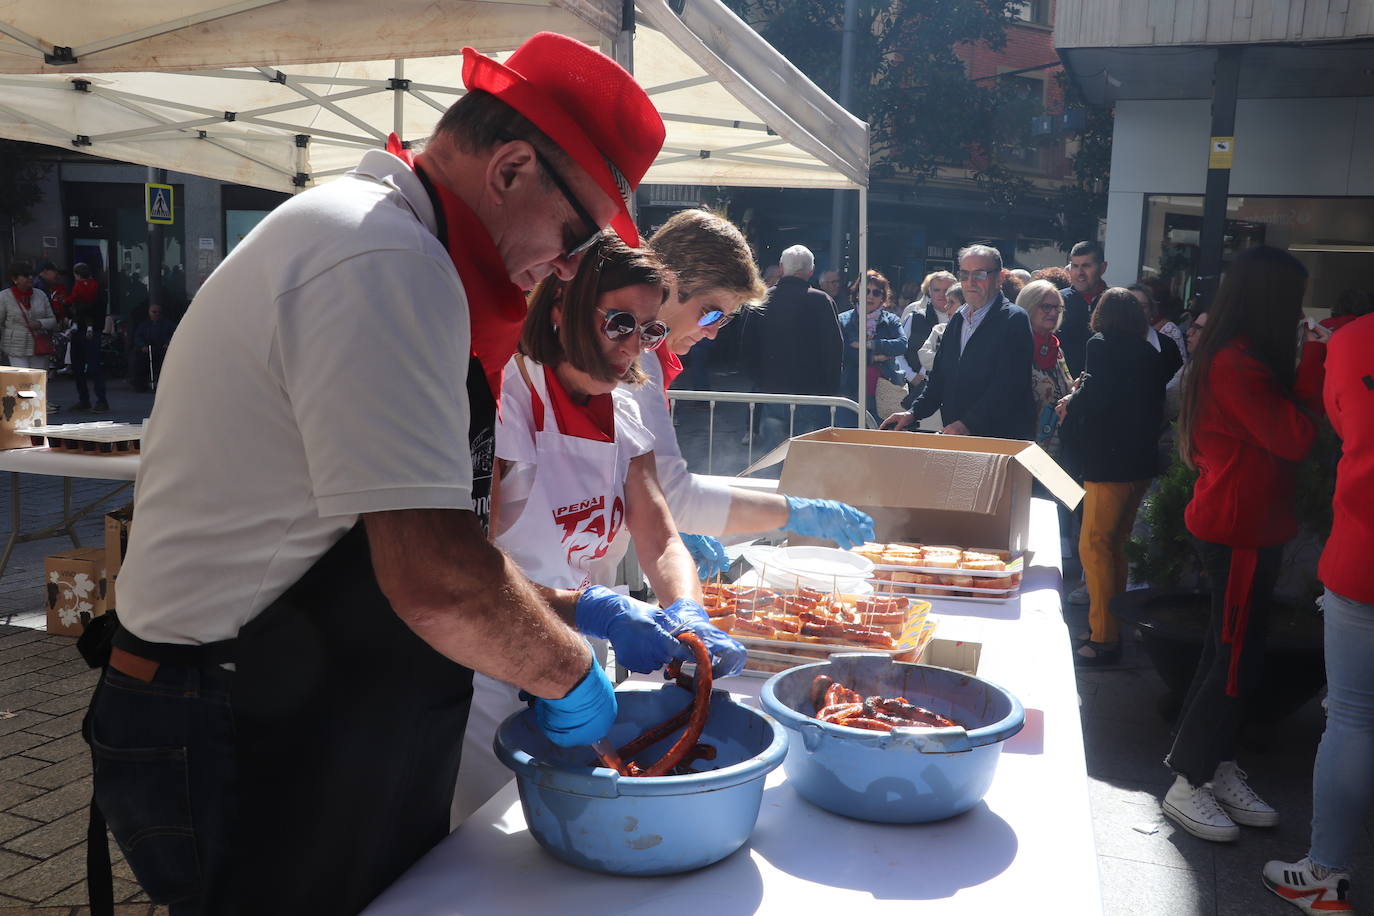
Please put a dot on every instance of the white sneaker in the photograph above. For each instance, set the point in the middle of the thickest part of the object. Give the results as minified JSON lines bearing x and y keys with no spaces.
{"x":1195,"y":809}
{"x":1234,"y":794}
{"x":1308,"y":887}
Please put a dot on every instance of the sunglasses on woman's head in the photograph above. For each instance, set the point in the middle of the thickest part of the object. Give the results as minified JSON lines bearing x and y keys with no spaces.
{"x":618,"y":323}
{"x":715,"y":318}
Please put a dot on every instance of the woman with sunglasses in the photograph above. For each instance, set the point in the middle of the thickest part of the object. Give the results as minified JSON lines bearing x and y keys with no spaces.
{"x":885,"y":342}
{"x":575,"y":465}
{"x":715,"y":276}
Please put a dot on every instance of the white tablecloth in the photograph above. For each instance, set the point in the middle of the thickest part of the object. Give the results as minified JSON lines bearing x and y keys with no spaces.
{"x":1028,"y":848}
{"x":64,"y":464}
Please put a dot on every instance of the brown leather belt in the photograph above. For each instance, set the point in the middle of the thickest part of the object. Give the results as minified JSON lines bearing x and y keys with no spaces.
{"x":135,"y":666}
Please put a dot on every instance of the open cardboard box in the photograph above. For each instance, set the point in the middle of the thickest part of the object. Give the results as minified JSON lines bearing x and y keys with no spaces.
{"x":960,"y":490}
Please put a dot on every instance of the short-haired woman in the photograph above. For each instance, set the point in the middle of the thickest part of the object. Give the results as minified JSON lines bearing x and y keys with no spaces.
{"x":715,"y":276}
{"x":1050,"y":379}
{"x":885,"y":341}
{"x":1116,"y":413}
{"x":575,"y":465}
{"x":1251,"y":399}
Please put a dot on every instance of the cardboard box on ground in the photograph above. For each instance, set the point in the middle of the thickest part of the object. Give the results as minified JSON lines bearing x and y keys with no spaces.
{"x":76,"y":589}
{"x":117,"y":525}
{"x":23,"y":404}
{"x":964,"y":491}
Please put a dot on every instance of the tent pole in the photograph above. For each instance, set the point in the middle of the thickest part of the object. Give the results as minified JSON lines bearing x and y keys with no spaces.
{"x":862,"y":306}
{"x":398,"y":101}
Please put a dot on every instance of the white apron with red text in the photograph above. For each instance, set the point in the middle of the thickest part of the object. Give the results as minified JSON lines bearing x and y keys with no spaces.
{"x":574,"y":511}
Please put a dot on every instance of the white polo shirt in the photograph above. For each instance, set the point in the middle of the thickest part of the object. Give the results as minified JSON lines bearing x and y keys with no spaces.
{"x":320,"y":373}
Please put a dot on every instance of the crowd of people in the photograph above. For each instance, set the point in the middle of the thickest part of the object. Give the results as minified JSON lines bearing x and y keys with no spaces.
{"x":1101,"y":378}
{"x":61,"y":323}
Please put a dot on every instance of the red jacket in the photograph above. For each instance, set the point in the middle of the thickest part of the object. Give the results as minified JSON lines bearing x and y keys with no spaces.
{"x":1346,"y":564}
{"x":1248,"y":438}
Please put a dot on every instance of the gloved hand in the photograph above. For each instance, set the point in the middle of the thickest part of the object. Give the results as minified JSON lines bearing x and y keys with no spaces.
{"x":729,"y":655}
{"x":708,"y":553}
{"x":584,"y":715}
{"x":826,"y":518}
{"x":640,"y":633}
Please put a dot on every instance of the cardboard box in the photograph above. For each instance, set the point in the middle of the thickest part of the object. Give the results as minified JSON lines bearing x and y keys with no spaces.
{"x":117,"y":525}
{"x":23,"y":404}
{"x":957,"y":654}
{"x":959,"y":490}
{"x":76,"y":586}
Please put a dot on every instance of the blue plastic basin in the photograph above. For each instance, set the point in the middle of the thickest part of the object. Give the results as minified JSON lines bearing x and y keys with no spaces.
{"x":907,"y":775}
{"x":591,"y":817}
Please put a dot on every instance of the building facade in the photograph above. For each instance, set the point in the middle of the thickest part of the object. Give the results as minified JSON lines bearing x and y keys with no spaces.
{"x":1297,"y":152}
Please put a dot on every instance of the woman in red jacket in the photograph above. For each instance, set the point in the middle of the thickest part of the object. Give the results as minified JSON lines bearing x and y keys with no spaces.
{"x":1250,"y":408}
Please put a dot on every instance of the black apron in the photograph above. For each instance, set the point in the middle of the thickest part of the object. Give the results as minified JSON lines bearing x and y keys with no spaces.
{"x":349,"y":728}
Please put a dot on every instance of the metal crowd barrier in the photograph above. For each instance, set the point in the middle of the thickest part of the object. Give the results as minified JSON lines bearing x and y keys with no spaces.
{"x":754,"y":399}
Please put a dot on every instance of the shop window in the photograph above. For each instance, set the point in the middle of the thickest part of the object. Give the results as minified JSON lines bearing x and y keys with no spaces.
{"x":1332,"y":236}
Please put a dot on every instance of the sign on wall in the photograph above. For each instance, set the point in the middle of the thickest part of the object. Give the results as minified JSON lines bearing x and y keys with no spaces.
{"x":157,"y":203}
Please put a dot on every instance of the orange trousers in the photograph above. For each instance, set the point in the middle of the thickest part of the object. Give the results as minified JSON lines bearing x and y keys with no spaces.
{"x":1108,"y":513}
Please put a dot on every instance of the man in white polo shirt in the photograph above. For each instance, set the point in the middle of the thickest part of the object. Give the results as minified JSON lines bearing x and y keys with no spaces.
{"x":309,"y":586}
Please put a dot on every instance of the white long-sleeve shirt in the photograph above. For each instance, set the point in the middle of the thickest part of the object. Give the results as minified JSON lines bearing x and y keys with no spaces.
{"x":699,"y":505}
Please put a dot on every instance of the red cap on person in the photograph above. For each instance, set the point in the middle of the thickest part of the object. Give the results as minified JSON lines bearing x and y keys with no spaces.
{"x":586,"y":103}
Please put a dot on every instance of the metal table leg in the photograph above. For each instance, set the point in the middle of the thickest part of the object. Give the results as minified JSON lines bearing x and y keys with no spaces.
{"x":65,"y":527}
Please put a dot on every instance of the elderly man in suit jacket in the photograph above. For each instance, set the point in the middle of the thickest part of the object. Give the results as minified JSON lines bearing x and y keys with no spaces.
{"x":981,"y":379}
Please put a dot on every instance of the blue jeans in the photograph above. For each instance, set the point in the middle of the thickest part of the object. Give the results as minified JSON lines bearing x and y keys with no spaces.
{"x":163,"y":756}
{"x":1343,"y":776}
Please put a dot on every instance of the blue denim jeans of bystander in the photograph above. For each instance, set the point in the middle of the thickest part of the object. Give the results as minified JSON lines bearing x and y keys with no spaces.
{"x":1343,"y":776}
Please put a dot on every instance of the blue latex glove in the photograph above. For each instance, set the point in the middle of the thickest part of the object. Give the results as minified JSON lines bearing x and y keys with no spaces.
{"x":728,"y":655}
{"x":708,"y":553}
{"x":584,"y":715}
{"x":826,"y":518}
{"x":640,"y":633}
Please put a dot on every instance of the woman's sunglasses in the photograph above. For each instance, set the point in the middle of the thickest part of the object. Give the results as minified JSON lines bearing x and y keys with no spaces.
{"x":618,"y":324}
{"x":715,"y":318}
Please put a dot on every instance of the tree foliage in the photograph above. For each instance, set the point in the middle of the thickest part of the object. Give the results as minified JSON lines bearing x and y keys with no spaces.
{"x":911,"y":87}
{"x":21,"y":174}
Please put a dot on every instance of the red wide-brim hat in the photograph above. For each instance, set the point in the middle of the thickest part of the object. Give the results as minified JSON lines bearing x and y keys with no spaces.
{"x":586,"y":103}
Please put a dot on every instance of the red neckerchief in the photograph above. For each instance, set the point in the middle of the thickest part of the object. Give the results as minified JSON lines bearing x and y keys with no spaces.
{"x":594,"y":420}
{"x":1092,"y":303}
{"x":1046,"y":351}
{"x":24,"y":299}
{"x":670,"y":364}
{"x":496,"y":307}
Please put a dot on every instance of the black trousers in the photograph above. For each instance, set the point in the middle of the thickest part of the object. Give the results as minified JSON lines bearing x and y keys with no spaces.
{"x":1210,"y":720}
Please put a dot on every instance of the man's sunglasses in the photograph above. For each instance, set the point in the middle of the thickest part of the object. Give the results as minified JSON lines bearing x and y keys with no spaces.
{"x":619,"y":323}
{"x":573,"y":245}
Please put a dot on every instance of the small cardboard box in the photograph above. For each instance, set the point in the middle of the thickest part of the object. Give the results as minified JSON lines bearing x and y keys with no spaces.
{"x":23,"y":405}
{"x":957,"y":654}
{"x":959,"y":490}
{"x":76,"y":586}
{"x":117,"y":525}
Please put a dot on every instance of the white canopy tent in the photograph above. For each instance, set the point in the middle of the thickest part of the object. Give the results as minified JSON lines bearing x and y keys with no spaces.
{"x":283,"y":94}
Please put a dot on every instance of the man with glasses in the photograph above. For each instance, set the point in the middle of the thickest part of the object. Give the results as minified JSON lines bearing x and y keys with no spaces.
{"x":1086,"y":268}
{"x":981,"y":379}
{"x":310,"y":584}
